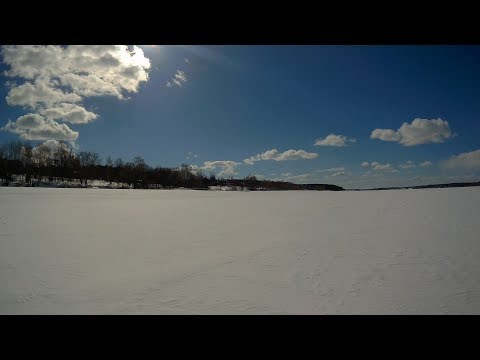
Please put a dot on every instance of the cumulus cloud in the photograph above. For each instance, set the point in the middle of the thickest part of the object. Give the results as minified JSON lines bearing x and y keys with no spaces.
{"x":334,"y":140}
{"x":463,"y":161}
{"x":420,"y":131}
{"x":273,"y":154}
{"x":227,"y":167}
{"x":426,"y":164}
{"x":71,"y":113}
{"x":58,"y":78}
{"x":40,"y":93}
{"x":385,"y":135}
{"x":228,"y":172}
{"x":101,"y":67}
{"x":90,"y":85}
{"x":365,"y":164}
{"x":36,"y":127}
{"x":50,"y":145}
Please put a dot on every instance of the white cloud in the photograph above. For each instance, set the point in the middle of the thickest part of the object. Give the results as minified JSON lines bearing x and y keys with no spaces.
{"x":377,"y":166}
{"x":180,"y":75}
{"x":90,"y":85}
{"x":420,"y":131}
{"x":71,"y":113}
{"x":294,"y":155}
{"x":36,"y":127}
{"x":331,"y":169}
{"x":464,"y":161}
{"x":383,"y":167}
{"x":273,"y":154}
{"x":47,"y":150}
{"x":227,"y":167}
{"x":340,"y":173}
{"x":30,"y":61}
{"x":334,"y":140}
{"x":51,"y":145}
{"x":408,"y":165}
{"x":308,"y":178}
{"x":228,"y":172}
{"x":97,"y":65}
{"x":385,"y":135}
{"x":40,"y":93}
{"x":58,"y":78}
{"x":426,"y":164}
{"x":299,"y":178}
{"x":289,"y":177}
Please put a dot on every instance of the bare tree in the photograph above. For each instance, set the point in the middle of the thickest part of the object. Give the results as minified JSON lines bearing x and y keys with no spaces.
{"x":119,"y":163}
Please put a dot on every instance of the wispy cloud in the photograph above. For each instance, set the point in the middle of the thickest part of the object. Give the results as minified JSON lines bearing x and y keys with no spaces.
{"x":190,"y":156}
{"x":330,"y":169}
{"x":178,"y":79}
{"x":408,"y":165}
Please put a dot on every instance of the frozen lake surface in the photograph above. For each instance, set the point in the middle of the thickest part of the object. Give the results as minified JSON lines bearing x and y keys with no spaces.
{"x":96,"y":251}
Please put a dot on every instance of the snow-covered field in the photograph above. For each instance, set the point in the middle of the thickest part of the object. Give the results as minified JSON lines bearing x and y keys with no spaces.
{"x":96,"y":251}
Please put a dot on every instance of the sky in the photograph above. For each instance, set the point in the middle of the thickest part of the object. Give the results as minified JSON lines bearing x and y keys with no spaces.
{"x":355,"y":116}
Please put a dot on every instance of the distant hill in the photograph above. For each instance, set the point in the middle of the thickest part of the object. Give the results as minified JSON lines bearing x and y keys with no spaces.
{"x":449,"y":185}
{"x":254,"y":184}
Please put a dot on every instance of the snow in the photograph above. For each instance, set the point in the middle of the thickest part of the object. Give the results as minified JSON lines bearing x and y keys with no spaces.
{"x":105,"y":251}
{"x":19,"y":181}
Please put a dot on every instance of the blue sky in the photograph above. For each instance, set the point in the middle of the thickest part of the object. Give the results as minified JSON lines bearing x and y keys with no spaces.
{"x":216,"y":106}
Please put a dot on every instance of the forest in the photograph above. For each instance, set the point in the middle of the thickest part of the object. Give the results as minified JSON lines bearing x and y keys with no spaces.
{"x":43,"y":163}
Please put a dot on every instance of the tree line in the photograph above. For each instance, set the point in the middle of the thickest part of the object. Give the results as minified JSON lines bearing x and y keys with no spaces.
{"x":61,"y":162}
